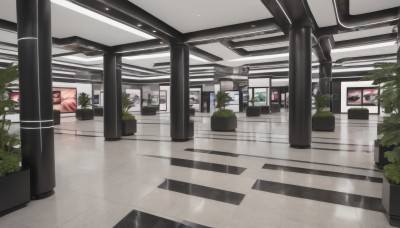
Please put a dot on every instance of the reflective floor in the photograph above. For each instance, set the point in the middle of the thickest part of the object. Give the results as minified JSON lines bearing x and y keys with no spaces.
{"x":247,"y":178}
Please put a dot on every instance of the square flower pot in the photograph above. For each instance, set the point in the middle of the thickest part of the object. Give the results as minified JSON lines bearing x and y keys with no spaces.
{"x":84,"y":114}
{"x":128,"y":127}
{"x":379,"y":154}
{"x":15,"y":191}
{"x":253,"y":111}
{"x":323,"y":123}
{"x":391,"y":202}
{"x":223,"y":124}
{"x":56,"y":117}
{"x":358,"y":114}
{"x":191,"y":129}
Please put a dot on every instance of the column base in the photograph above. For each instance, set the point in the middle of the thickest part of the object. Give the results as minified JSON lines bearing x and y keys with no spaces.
{"x":300,"y":146}
{"x":112,"y":139}
{"x":181,"y":140}
{"x":43,"y":195}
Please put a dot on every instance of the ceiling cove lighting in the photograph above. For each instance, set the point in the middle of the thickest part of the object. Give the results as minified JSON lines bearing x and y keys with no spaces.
{"x":63,"y":72}
{"x":99,"y":17}
{"x":353,"y":69}
{"x":368,"y":63}
{"x":82,"y":59}
{"x":364,"y":47}
{"x":160,"y":55}
{"x":260,"y":57}
{"x":76,"y":65}
{"x":146,"y":78}
{"x":338,"y":19}
{"x":201,"y":79}
{"x":136,"y":69}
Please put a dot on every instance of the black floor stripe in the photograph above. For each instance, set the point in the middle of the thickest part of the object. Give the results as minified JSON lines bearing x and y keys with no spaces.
{"x":267,"y":141}
{"x":203,"y":165}
{"x":212,"y":152}
{"x":322,"y":173}
{"x":293,"y":160}
{"x":346,"y":199}
{"x":139,"y":219}
{"x":202,"y":191}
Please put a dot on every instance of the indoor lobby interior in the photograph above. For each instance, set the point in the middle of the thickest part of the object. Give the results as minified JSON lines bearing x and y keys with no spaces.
{"x":184,"y":113}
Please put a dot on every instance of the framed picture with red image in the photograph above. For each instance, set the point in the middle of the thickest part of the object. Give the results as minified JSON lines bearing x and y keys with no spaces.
{"x":275,"y":95}
{"x":64,"y":99}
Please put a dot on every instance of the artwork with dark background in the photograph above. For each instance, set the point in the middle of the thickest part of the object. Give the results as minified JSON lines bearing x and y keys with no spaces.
{"x":96,"y":99}
{"x":354,"y":97}
{"x":369,"y":95}
{"x":68,"y":100}
{"x":154,"y":91}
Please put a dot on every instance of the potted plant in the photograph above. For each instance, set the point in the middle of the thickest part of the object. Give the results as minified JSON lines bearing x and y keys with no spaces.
{"x":388,"y":77}
{"x":84,"y":113}
{"x":191,"y":128}
{"x":14,"y":180}
{"x":322,"y":120}
{"x":223,"y":119}
{"x":358,"y":113}
{"x":56,"y":116}
{"x":98,"y":111}
{"x":253,"y":110}
{"x":148,"y":110}
{"x":128,"y":120}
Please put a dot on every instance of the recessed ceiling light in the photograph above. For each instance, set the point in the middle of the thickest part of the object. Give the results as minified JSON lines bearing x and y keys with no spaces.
{"x":198,"y":15}
{"x":99,"y":17}
{"x":260,"y":57}
{"x":154,"y":31}
{"x":253,"y":26}
{"x":63,"y":72}
{"x":140,"y":25}
{"x":107,"y":8}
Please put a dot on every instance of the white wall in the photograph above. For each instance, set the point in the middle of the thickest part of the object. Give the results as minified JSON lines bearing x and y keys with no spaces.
{"x":345,"y":85}
{"x":168,"y":89}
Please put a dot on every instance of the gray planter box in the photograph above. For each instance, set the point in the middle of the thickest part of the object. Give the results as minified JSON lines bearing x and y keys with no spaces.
{"x":391,"y":202}
{"x":223,"y":124}
{"x":84,"y":114}
{"x":191,"y":129}
{"x":149,"y":111}
{"x":128,"y":127}
{"x":361,"y":114}
{"x":323,"y":124}
{"x":98,"y":111}
{"x":275,"y":108}
{"x":15,"y":191}
{"x":379,"y":154}
{"x":252,"y":111}
{"x":57,"y":117}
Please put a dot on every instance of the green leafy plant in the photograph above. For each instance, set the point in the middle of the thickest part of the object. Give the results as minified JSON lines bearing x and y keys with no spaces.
{"x":10,"y":152}
{"x":324,"y":114}
{"x":127,"y":103}
{"x":224,"y":113}
{"x":387,"y":76}
{"x":222,"y":99}
{"x":321,"y":101}
{"x":84,"y":100}
{"x":358,"y":108}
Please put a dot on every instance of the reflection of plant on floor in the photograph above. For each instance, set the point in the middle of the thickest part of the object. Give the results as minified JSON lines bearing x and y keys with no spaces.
{"x":388,"y":77}
{"x":127,"y":103}
{"x":10,"y":152}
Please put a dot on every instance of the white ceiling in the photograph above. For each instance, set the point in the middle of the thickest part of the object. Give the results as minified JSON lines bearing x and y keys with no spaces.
{"x":66,"y":23}
{"x":363,"y":33}
{"x":194,"y":15}
{"x":323,"y":11}
{"x":259,"y":37}
{"x":268,"y":46}
{"x":367,"y":6}
{"x":367,"y":52}
{"x":219,"y":50}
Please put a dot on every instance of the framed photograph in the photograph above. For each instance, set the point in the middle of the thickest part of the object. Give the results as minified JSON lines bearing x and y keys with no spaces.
{"x":369,"y":96}
{"x":67,"y":99}
{"x":354,"y":97}
{"x":163,"y":100}
{"x":14,"y":96}
{"x":260,"y":96}
{"x":96,"y":99}
{"x":275,"y":95}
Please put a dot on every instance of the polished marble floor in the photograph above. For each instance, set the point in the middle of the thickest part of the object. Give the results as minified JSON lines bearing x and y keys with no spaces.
{"x":247,"y":178}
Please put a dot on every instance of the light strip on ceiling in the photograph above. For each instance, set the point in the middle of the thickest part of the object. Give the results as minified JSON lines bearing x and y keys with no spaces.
{"x":198,"y":58}
{"x":368,"y":63}
{"x":82,"y":59}
{"x":136,"y":69}
{"x":277,"y":1}
{"x":364,"y":47}
{"x":99,"y":17}
{"x":63,"y":72}
{"x":354,"y":69}
{"x":146,"y":78}
{"x":201,"y":79}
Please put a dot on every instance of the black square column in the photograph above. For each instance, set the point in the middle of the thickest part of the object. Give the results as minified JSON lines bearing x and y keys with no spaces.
{"x":112,"y":97}
{"x":179,"y":92}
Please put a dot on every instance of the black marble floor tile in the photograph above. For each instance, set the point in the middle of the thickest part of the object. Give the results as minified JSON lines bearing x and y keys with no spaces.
{"x":212,"y":152}
{"x":352,"y":200}
{"x":322,"y":173}
{"x":202,"y":165}
{"x":138,"y":219}
{"x":202,"y":191}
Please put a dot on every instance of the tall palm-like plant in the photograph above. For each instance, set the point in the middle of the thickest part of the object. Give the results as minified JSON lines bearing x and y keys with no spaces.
{"x":84,"y":100}
{"x":222,"y":99}
{"x":10,"y":153}
{"x":127,"y":103}
{"x":388,"y":77}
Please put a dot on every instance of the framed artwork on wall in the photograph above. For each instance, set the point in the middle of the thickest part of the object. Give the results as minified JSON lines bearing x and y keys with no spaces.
{"x":163,"y":100}
{"x":362,"y":96}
